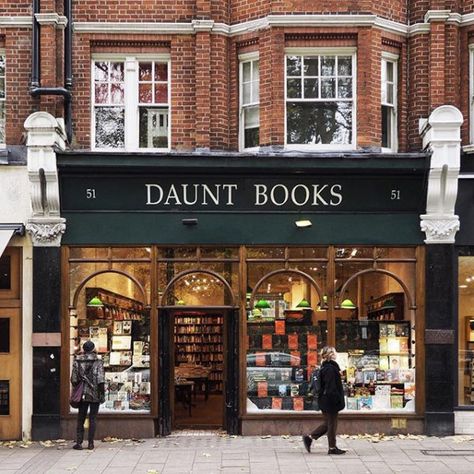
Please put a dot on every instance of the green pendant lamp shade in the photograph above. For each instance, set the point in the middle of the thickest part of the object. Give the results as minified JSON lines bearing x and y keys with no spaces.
{"x":95,"y":302}
{"x":262,"y":304}
{"x":303,"y":304}
{"x":348,"y":304}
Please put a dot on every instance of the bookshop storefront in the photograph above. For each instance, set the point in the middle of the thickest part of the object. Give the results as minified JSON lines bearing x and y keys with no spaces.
{"x":210,"y":285}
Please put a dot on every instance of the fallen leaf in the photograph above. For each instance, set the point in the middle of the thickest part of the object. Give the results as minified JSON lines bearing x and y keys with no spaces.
{"x":266,"y":437}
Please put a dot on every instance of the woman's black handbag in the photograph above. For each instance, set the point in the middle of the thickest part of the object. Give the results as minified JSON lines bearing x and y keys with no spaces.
{"x":76,"y":395}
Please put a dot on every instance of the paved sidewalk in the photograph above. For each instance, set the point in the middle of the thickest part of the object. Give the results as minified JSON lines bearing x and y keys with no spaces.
{"x":208,"y":453}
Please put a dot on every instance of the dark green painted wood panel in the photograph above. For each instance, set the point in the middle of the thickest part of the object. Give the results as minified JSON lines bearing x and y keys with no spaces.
{"x":218,"y":228}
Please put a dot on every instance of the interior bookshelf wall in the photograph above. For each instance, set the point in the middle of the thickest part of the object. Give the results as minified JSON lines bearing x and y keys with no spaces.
{"x":198,"y":340}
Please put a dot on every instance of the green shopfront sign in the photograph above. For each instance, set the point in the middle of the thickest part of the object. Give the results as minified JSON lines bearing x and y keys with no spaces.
{"x":241,"y":194}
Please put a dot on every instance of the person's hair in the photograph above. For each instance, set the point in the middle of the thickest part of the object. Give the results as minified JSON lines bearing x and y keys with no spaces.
{"x":88,"y":346}
{"x":326,"y":352}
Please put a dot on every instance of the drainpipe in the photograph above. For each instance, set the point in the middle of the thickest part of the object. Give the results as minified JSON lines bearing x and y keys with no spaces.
{"x":35,"y":87}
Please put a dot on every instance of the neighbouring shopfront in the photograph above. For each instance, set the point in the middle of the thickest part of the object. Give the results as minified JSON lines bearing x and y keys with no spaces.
{"x":209,"y":286}
{"x":464,"y":262}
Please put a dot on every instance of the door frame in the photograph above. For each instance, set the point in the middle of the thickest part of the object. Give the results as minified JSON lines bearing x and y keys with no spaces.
{"x":166,"y":315}
{"x":11,"y":307}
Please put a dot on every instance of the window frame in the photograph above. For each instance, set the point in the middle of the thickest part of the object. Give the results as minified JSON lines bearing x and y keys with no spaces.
{"x":131,"y":100}
{"x":390,"y":58}
{"x":3,"y":143}
{"x":247,"y":58}
{"x":323,"y":51}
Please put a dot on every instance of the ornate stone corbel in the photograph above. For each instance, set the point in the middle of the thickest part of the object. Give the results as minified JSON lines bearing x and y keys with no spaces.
{"x":45,"y":135}
{"x":442,"y":136}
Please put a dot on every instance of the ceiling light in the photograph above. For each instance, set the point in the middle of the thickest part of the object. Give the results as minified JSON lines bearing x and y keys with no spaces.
{"x":303,"y":223}
{"x":469,"y":279}
{"x":462,"y":286}
{"x":348,"y":304}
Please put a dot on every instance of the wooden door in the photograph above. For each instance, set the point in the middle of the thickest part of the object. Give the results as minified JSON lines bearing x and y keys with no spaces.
{"x":10,"y":367}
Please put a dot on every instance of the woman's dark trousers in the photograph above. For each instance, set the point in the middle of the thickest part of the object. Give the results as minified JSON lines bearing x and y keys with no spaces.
{"x":81,"y":418}
{"x":328,"y":426}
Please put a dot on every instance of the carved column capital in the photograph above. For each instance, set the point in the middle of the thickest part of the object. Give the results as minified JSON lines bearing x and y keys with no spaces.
{"x":46,"y":233}
{"x":439,"y":229}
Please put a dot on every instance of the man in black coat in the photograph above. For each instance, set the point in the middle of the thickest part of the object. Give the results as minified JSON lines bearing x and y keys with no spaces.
{"x":331,"y":401}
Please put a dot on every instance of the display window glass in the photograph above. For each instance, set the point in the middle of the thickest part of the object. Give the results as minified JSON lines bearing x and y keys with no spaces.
{"x":466,"y":331}
{"x":360,"y":300}
{"x":286,"y":329}
{"x":110,"y":307}
{"x":375,"y":336}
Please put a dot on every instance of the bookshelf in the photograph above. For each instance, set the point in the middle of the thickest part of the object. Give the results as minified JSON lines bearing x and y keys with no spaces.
{"x":198,"y":340}
{"x":389,"y":307}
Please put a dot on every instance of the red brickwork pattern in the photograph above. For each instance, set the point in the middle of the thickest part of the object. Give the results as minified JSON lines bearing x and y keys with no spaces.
{"x":417,"y":10}
{"x":19,"y":104}
{"x":204,"y":71}
{"x":369,"y":87}
{"x":418,"y":92}
{"x":437,"y":64}
{"x":15,"y":7}
{"x":128,"y":10}
{"x":220,"y":93}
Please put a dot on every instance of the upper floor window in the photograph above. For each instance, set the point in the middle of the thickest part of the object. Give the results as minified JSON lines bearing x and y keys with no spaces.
{"x":2,"y":98}
{"x":131,"y":104}
{"x":320,"y":92}
{"x":249,"y":102}
{"x":389,"y":101}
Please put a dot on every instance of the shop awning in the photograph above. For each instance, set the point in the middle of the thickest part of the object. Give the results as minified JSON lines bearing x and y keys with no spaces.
{"x":6,"y":233}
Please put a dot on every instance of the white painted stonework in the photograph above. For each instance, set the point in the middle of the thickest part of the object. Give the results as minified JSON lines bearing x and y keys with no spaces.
{"x":45,"y":135}
{"x":14,"y":191}
{"x":442,"y":136}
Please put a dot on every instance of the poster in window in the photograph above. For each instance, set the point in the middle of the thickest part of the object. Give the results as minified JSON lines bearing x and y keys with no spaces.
{"x":313,"y":358}
{"x":280,"y":327}
{"x":267,"y":341}
{"x":127,"y":327}
{"x":276,"y":403}
{"x":120,"y":343}
{"x":298,"y":404}
{"x":262,"y":389}
{"x":293,"y":341}
{"x":118,"y":327}
{"x":312,"y":340}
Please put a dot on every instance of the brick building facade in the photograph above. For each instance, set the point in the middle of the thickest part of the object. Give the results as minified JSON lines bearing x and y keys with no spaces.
{"x":281,"y":85}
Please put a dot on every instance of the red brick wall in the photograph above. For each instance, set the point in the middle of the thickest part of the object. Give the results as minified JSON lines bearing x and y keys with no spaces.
{"x":204,"y":100}
{"x":15,"y":7}
{"x":17,"y":45}
{"x":128,"y":10}
{"x":418,"y":90}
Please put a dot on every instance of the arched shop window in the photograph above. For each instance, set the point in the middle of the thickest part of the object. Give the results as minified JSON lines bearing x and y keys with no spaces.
{"x":359,"y":299}
{"x":375,"y":335}
{"x":198,"y":276}
{"x":110,"y":305}
{"x":286,"y":326}
{"x":198,"y":288}
{"x":466,"y":328}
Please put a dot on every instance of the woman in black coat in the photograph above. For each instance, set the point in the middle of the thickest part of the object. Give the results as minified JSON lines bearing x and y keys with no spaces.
{"x":331,"y":401}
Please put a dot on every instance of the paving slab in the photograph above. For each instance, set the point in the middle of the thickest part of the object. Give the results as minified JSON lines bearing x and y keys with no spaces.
{"x":217,"y":453}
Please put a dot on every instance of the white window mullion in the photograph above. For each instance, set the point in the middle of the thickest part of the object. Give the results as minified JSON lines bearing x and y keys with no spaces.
{"x":131,"y":104}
